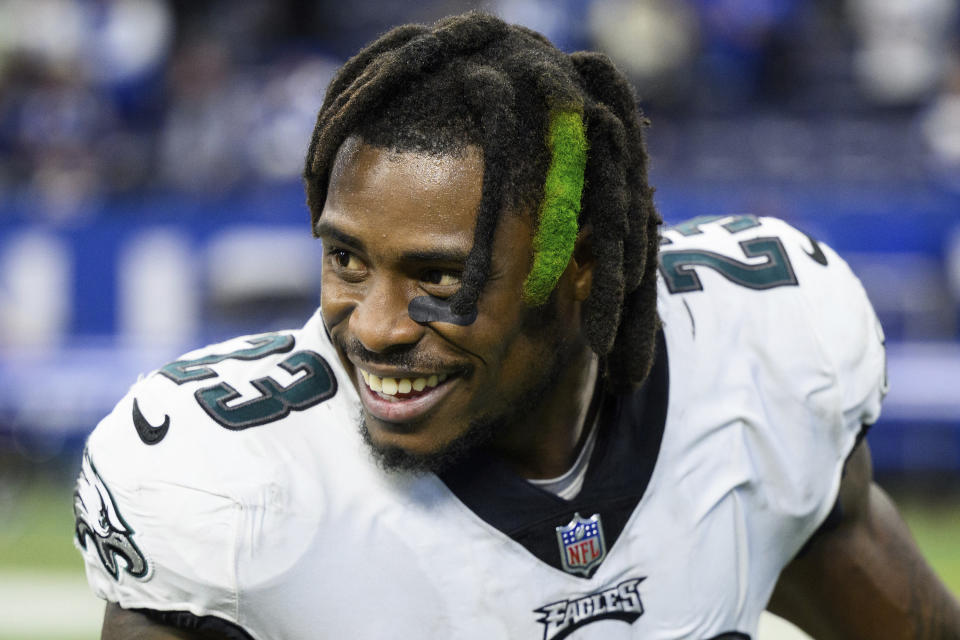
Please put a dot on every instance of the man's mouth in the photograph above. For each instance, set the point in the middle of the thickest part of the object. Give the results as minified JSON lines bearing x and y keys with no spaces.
{"x":399,"y":399}
{"x":399,"y":387}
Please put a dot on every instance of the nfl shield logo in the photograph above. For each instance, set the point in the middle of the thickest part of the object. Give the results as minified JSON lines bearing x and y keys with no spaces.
{"x":581,"y":544}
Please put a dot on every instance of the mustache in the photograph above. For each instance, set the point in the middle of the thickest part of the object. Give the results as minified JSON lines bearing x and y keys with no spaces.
{"x":400,"y":357}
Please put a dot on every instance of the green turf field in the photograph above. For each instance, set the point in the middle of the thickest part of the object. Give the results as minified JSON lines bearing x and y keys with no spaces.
{"x":937,"y":530}
{"x":36,"y":529}
{"x":36,"y":551}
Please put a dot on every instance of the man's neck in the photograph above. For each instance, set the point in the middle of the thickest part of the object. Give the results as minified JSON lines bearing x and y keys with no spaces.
{"x":547,"y":444}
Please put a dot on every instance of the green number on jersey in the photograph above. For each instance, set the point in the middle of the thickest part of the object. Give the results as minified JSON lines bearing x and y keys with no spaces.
{"x":275,"y":401}
{"x":678,"y":271}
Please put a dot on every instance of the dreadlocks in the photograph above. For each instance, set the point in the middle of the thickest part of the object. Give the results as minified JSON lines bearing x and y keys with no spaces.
{"x":475,"y":80}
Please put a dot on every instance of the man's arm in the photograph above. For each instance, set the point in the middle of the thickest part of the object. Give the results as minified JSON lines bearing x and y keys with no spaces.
{"x":866,"y":579}
{"x":125,"y":624}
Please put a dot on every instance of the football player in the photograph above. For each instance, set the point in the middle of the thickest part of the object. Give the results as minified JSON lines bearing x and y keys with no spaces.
{"x":522,"y":410}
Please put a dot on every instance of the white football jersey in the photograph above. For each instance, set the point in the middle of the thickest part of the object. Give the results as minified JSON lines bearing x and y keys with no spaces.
{"x":234,"y":485}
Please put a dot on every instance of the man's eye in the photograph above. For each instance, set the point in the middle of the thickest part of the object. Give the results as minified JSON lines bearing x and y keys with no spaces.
{"x":441,"y":278}
{"x":345,"y":259}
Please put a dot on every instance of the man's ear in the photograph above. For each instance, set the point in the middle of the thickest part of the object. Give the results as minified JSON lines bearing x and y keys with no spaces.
{"x":583,"y":263}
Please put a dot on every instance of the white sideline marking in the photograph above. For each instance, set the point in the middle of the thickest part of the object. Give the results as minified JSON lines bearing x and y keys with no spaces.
{"x":50,"y":605}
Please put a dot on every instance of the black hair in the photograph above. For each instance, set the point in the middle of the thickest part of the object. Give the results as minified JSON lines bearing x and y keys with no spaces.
{"x":473,"y":79}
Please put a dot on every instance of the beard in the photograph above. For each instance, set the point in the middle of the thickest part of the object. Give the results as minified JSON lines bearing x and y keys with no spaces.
{"x":557,"y":353}
{"x":393,"y":459}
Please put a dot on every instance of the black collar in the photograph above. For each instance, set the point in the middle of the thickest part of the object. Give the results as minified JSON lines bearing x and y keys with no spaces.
{"x":628,"y":444}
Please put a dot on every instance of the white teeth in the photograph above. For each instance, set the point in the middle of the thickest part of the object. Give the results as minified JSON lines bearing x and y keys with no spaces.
{"x":393,"y":386}
{"x":389,"y":386}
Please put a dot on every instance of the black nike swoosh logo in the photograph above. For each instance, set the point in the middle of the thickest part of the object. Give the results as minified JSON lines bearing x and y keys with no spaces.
{"x":149,"y":433}
{"x":817,"y":253}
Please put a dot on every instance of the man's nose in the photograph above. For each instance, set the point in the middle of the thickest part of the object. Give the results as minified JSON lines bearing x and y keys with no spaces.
{"x":381,"y":320}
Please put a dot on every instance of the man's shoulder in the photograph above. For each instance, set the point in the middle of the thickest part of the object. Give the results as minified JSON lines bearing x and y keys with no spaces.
{"x":238,"y":436}
{"x":755,"y":297}
{"x":743,"y":253}
{"x":776,"y":362}
{"x":758,"y":283}
{"x":205,"y":416}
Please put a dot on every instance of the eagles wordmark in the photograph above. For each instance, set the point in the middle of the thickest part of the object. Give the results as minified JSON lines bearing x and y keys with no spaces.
{"x":622,"y":602}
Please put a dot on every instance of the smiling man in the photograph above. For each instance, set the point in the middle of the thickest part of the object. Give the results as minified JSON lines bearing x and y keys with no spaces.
{"x":522,"y":411}
{"x":433,"y":389}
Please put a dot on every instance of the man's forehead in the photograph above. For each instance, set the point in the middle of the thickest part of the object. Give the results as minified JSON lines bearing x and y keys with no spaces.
{"x":412,"y":204}
{"x":356,"y":155}
{"x":366,"y":170}
{"x":396,"y":189}
{"x":411,"y":242}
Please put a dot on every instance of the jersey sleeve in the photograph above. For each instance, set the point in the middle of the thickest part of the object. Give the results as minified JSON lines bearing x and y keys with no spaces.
{"x":850,"y":336}
{"x":151,"y":536}
{"x":834,"y":368}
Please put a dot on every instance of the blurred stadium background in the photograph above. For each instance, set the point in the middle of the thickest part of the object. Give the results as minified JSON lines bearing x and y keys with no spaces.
{"x":150,"y":203}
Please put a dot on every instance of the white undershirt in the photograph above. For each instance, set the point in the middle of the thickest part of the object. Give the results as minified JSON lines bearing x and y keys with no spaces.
{"x":568,"y":485}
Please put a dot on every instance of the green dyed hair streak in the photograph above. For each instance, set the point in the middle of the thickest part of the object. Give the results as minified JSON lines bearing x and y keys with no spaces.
{"x":557,"y":226}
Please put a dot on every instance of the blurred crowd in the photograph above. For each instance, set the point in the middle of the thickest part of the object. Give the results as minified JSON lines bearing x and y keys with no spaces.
{"x":106,"y":98}
{"x":150,"y":153}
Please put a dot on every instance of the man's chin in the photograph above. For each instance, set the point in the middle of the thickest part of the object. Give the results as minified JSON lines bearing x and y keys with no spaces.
{"x":393,"y":458}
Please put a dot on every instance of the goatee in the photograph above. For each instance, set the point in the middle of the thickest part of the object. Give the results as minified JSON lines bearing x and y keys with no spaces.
{"x":394,"y":459}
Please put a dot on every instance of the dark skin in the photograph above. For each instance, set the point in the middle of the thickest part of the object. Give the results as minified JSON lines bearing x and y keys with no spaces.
{"x":123,"y":624}
{"x":865,"y":579}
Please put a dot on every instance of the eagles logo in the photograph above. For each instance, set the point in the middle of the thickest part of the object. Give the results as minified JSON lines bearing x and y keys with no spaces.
{"x":99,"y":521}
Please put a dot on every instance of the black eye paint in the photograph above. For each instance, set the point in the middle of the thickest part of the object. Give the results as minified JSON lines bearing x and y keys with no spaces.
{"x":426,"y":309}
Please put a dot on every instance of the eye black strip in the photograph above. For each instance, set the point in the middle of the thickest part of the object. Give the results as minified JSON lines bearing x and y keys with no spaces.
{"x":425,"y":309}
